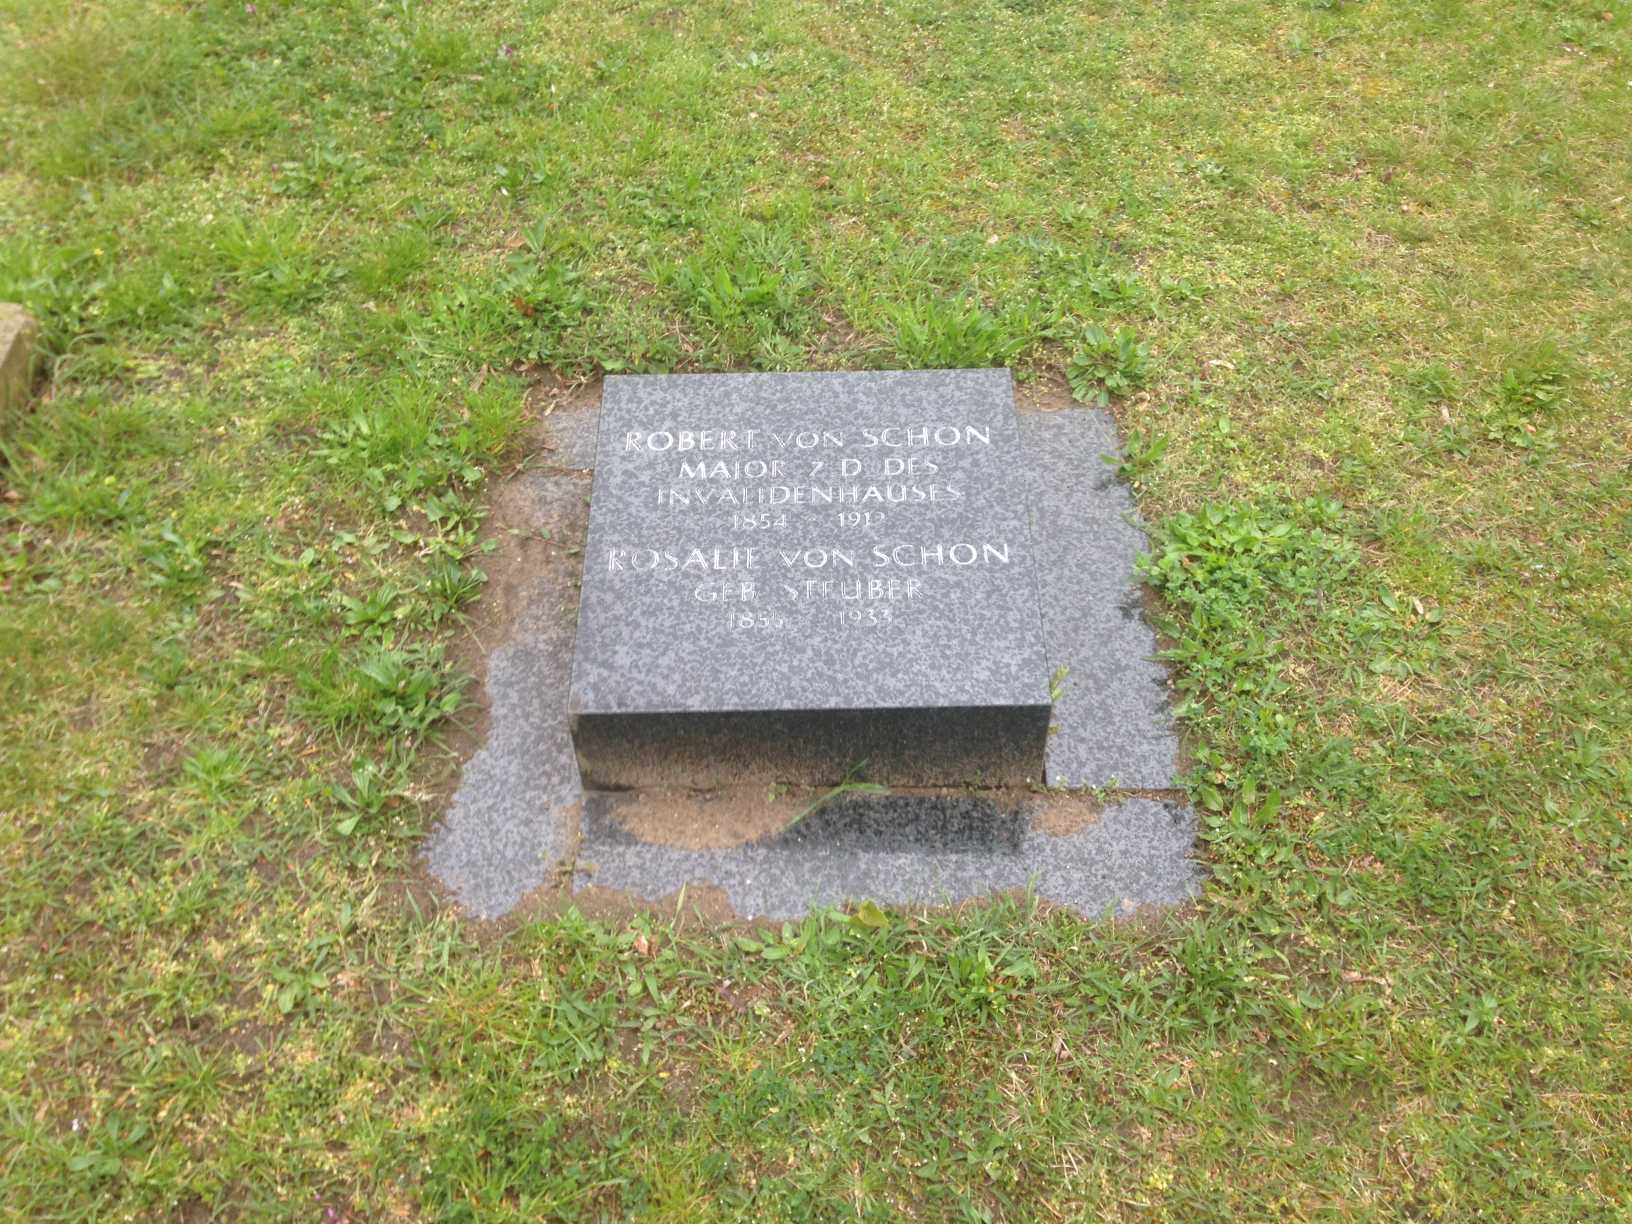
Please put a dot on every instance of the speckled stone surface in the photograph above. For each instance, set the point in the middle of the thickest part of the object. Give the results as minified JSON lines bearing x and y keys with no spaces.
{"x":17,"y":339}
{"x":512,"y":818}
{"x":977,"y":745}
{"x":1111,"y":716}
{"x":912,"y":850}
{"x":570,"y":438}
{"x":815,"y":543}
{"x":519,"y":816}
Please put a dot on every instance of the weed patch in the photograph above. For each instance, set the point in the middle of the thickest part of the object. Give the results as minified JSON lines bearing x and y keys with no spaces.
{"x":957,"y":334}
{"x":1107,"y":365}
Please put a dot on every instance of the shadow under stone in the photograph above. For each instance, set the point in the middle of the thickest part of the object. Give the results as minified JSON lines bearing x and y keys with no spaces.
{"x":930,"y":824}
{"x":910,"y":850}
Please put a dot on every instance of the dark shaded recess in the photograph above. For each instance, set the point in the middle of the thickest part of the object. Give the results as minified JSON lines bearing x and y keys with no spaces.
{"x":917,"y":824}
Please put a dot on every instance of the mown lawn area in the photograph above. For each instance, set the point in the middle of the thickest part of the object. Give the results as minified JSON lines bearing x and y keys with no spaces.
{"x":1354,"y":275}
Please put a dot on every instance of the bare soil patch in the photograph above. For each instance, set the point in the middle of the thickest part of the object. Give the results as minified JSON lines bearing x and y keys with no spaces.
{"x":711,"y":819}
{"x":1061,"y":815}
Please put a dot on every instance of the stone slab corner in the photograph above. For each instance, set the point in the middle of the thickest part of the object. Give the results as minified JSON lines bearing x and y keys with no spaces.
{"x":18,"y":339}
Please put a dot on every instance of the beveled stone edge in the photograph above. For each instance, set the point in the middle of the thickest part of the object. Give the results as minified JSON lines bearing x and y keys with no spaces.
{"x":1002,"y":745}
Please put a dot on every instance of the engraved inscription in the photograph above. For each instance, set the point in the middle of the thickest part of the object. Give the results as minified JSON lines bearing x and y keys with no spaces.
{"x":857,"y":506}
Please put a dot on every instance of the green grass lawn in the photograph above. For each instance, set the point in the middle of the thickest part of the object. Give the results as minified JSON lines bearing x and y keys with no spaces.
{"x":1356,"y":278}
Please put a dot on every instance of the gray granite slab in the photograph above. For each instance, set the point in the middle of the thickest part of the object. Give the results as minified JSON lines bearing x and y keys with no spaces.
{"x":18,"y":336}
{"x":520,"y":813}
{"x":512,"y":819}
{"x":1112,"y":720}
{"x":571,"y":431}
{"x":912,"y":850}
{"x":820,"y":545}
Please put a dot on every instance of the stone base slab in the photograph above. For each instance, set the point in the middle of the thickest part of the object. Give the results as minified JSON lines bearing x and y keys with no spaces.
{"x":17,"y":339}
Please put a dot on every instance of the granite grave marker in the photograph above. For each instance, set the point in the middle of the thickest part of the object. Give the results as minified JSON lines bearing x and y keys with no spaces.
{"x":788,"y":574}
